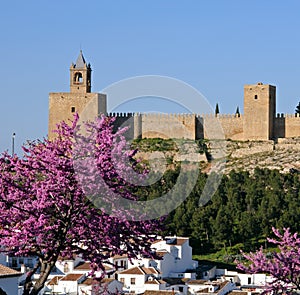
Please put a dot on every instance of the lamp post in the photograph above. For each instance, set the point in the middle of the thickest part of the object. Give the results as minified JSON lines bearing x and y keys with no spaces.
{"x":13,"y":144}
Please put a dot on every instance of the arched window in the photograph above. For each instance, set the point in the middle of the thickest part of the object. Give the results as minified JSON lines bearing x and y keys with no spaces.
{"x":78,"y":78}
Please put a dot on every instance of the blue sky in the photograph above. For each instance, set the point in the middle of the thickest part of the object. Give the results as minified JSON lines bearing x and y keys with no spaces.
{"x":215,"y":46}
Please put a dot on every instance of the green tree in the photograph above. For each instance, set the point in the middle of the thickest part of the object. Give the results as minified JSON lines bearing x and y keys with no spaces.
{"x":297,"y":110}
{"x":217,"y":111}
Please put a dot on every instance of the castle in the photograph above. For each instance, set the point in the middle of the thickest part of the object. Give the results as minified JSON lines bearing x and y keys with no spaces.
{"x":258,"y":123}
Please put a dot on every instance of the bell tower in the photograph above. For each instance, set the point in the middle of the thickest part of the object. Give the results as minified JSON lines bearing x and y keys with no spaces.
{"x":80,"y":76}
{"x":80,"y":99}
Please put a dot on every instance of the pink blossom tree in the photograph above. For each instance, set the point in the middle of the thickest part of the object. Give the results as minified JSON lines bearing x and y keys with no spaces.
{"x":283,"y":265}
{"x":45,"y":211}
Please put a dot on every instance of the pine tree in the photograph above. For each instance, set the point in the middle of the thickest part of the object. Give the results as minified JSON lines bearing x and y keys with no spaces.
{"x":297,"y":110}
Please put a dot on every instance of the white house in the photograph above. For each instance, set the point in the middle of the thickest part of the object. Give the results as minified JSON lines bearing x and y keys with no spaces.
{"x":70,"y":283}
{"x":134,"y":279}
{"x":120,"y":262}
{"x":52,"y":285}
{"x":245,"y":279}
{"x":85,"y":268}
{"x":106,"y":286}
{"x":9,"y":280}
{"x":210,"y":288}
{"x":176,"y":254}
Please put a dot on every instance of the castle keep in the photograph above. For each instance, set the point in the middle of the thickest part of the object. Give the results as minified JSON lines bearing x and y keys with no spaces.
{"x":259,"y":121}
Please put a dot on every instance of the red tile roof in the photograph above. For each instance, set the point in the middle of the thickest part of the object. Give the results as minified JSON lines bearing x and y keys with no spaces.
{"x":8,"y":272}
{"x":83,"y":266}
{"x":161,"y":253}
{"x":196,"y":282}
{"x":140,"y":270}
{"x":120,"y":256}
{"x":133,"y":271}
{"x":90,"y":281}
{"x":72,"y":277}
{"x":150,"y":270}
{"x":86,"y":266}
{"x":54,"y":280}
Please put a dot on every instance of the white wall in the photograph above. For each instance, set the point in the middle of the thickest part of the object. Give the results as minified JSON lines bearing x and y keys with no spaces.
{"x":249,"y":279}
{"x":180,"y":260}
{"x":139,"y":285}
{"x":67,"y":286}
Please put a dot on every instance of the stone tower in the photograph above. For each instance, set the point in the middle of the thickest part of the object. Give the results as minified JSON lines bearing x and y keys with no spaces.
{"x":259,"y":111}
{"x":80,"y":99}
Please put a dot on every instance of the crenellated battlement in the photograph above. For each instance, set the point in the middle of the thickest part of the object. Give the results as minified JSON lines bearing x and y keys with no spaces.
{"x":120,"y":115}
{"x":282,"y":115}
{"x":259,"y":120}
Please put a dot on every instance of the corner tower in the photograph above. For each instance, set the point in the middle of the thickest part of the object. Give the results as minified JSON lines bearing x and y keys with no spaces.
{"x":80,"y":99}
{"x":259,"y":111}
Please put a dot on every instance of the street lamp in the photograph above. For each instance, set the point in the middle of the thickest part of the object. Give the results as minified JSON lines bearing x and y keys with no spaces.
{"x":13,"y":144}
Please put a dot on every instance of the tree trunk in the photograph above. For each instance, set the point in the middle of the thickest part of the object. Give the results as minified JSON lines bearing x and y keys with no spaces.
{"x":29,"y":288}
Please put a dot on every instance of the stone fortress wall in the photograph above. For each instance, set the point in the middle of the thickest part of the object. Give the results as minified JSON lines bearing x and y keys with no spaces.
{"x":287,"y":125}
{"x":191,"y":126}
{"x":259,"y":121}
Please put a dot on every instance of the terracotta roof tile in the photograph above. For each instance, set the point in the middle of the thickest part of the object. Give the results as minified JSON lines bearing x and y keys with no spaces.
{"x":133,"y":271}
{"x":196,"y":282}
{"x":150,"y":270}
{"x":54,"y":280}
{"x":120,"y":256}
{"x":90,"y":281}
{"x":83,"y":266}
{"x":237,"y":293}
{"x":8,"y":272}
{"x":154,"y":282}
{"x":86,"y":266}
{"x":161,"y":253}
{"x":179,"y":241}
{"x":72,"y":277}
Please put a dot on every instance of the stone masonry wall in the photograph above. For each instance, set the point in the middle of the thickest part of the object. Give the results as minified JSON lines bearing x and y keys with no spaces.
{"x":287,"y":126}
{"x":232,"y":126}
{"x":63,"y":106}
{"x":169,"y":126}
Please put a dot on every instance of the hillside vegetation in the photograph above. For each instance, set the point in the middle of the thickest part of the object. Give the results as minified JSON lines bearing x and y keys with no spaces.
{"x":246,"y":205}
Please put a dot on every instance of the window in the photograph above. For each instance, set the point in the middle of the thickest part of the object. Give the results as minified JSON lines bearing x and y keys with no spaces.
{"x":122,"y":280}
{"x":14,"y":262}
{"x":255,"y":96}
{"x":29,"y":263}
{"x":66,"y":267}
{"x":249,"y":280}
{"x":78,"y":78}
{"x":72,"y":109}
{"x":180,"y":289}
{"x":132,"y":281}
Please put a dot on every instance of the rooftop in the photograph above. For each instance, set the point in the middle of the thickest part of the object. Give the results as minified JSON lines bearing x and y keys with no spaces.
{"x":8,"y":272}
